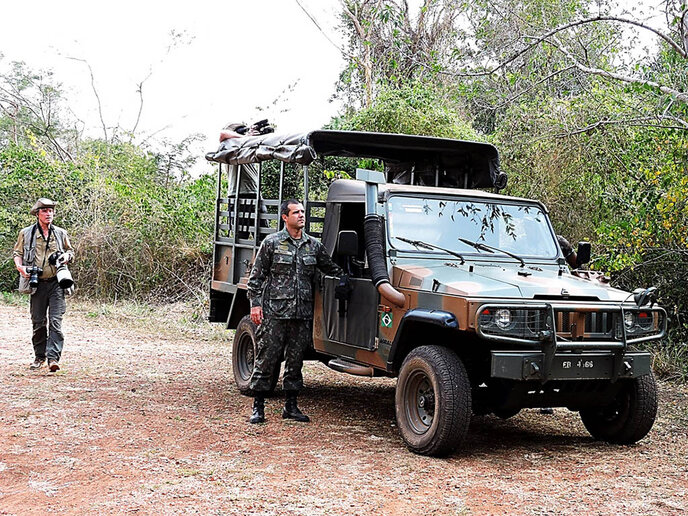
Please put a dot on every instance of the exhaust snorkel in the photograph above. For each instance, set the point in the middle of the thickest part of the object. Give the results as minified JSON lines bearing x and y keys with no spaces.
{"x":373,"y":229}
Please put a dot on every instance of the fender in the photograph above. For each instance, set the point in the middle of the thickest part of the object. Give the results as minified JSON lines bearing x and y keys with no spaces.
{"x":440,"y":318}
{"x":240,"y":306}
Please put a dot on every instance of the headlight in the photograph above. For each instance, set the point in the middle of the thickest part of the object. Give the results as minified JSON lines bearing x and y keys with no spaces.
{"x":629,"y":320}
{"x":641,"y":323}
{"x":503,"y":318}
{"x":514,"y":322}
{"x":645,"y":320}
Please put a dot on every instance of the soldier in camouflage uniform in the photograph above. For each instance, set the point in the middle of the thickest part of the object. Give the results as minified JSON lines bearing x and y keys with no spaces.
{"x":280,"y":289}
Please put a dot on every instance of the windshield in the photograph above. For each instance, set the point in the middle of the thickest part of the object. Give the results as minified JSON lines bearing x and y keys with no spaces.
{"x":519,"y":229}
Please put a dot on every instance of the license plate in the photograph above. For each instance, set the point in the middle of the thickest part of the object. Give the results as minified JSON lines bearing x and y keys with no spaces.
{"x":582,"y":367}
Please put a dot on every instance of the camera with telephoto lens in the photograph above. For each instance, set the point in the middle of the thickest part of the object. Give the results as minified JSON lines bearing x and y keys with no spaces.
{"x":260,"y":127}
{"x":34,"y":272}
{"x":59,"y":260}
{"x":263,"y":127}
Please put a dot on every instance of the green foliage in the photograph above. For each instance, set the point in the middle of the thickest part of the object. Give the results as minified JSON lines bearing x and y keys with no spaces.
{"x":413,"y":108}
{"x":134,"y":235}
{"x":645,"y":243}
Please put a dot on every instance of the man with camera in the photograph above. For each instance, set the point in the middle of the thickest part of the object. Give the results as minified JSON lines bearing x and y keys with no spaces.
{"x":41,"y":255}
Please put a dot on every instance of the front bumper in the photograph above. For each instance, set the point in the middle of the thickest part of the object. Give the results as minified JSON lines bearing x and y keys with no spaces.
{"x":601,"y":365}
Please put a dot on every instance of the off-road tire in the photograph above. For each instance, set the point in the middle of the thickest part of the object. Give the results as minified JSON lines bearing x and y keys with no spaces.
{"x":629,"y":417}
{"x":243,"y":352}
{"x":433,"y":428}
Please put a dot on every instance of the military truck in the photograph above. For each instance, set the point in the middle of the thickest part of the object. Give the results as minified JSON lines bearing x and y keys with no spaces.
{"x":461,"y":293}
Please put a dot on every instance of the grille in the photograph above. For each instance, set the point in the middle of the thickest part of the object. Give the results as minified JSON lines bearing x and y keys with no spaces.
{"x":587,"y":325}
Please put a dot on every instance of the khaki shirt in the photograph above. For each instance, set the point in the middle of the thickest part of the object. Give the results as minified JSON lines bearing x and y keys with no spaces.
{"x":42,"y":253}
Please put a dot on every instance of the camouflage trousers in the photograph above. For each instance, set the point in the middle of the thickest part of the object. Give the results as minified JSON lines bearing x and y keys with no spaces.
{"x":277,"y":339}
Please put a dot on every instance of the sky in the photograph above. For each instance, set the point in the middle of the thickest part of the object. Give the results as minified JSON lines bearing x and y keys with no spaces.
{"x":227,"y":60}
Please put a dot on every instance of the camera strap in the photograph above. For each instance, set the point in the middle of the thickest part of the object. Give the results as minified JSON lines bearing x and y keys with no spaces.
{"x":47,"y":242}
{"x":32,"y":242}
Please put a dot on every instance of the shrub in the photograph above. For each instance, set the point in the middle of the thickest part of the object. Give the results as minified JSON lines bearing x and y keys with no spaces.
{"x":133,"y":234}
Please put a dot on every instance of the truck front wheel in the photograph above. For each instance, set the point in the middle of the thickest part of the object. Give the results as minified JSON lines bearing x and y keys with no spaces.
{"x":243,"y":354}
{"x":629,"y":417}
{"x":433,"y":401}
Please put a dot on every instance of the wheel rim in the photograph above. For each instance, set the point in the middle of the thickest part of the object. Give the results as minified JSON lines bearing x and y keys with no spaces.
{"x":245,"y":358}
{"x":617,"y":410}
{"x":419,"y":402}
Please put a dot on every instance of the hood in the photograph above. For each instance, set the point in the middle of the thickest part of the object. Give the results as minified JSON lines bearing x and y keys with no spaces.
{"x":501,"y":281}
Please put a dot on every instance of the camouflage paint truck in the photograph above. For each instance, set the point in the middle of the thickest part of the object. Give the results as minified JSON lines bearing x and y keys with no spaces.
{"x":461,"y":293}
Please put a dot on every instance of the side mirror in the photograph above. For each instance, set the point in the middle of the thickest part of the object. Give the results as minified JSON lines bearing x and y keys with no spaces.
{"x":583,"y":253}
{"x":643,"y":296}
{"x":500,"y":181}
{"x":347,"y":243}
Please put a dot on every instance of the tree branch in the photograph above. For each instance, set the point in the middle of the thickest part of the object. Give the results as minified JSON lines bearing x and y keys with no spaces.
{"x":139,"y":90}
{"x":633,"y":122}
{"x":532,"y":86}
{"x":315,"y":22}
{"x":95,"y":91}
{"x":556,"y":30}
{"x":678,"y":95}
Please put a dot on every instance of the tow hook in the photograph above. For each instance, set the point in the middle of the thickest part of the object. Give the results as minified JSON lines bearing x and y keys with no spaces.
{"x":544,"y":335}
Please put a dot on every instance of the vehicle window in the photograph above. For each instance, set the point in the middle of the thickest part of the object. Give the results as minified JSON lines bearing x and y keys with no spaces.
{"x":520,"y":229}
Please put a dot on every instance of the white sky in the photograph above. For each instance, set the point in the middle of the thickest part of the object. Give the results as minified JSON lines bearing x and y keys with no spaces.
{"x":238,"y":55}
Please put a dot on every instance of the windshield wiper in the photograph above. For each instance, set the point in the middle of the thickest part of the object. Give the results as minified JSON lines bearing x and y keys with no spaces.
{"x":425,"y":245}
{"x":484,"y":247}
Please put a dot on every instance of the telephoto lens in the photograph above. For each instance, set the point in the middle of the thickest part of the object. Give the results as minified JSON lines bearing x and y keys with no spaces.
{"x":64,"y":277}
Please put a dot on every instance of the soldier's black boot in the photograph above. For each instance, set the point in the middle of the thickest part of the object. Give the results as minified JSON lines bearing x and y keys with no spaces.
{"x":258,"y":415}
{"x":291,"y":411}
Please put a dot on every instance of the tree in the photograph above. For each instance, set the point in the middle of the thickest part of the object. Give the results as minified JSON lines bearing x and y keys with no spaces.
{"x":387,"y":45}
{"x":31,"y":112}
{"x":561,"y":49}
{"x":411,"y":108}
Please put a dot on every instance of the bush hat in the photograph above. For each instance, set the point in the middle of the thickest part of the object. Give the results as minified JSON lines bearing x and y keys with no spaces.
{"x":43,"y":202}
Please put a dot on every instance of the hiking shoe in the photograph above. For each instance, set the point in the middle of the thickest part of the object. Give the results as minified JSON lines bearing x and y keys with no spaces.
{"x":37,"y":364}
{"x":53,"y":366}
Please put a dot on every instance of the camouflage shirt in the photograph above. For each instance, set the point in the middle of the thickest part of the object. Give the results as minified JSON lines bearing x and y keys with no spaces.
{"x":281,"y":280}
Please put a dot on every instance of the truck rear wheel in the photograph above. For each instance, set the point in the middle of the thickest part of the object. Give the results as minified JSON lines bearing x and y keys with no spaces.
{"x":629,"y":417}
{"x":243,"y":355}
{"x":433,"y":401}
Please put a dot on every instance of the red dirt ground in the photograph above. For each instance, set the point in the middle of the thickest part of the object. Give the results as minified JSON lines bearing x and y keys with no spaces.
{"x":144,"y":418}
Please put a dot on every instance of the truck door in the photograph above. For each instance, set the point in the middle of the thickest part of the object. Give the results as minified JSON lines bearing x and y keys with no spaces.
{"x":357,"y":326}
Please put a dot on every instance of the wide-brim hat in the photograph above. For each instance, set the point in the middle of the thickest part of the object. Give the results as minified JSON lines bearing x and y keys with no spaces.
{"x":43,"y":202}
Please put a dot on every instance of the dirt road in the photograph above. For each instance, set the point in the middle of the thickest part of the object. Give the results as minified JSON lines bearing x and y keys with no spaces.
{"x":144,"y":418}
